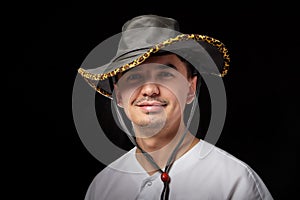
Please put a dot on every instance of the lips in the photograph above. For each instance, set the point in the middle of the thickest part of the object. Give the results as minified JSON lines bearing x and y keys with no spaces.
{"x":151,"y":103}
{"x":151,"y":106}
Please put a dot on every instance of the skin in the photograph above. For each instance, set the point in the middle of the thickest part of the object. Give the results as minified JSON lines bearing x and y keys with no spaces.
{"x":154,"y":96}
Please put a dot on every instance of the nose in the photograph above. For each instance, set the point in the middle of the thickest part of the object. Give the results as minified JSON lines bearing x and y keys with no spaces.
{"x":150,"y":89}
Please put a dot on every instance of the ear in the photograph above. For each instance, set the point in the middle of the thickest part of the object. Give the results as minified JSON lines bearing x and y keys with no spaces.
{"x":192,"y":90}
{"x":118,"y":96}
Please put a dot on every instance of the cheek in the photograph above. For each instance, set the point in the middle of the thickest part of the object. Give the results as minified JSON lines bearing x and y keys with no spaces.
{"x":128,"y":96}
{"x":177,"y":99}
{"x":178,"y":94}
{"x":125,"y":102}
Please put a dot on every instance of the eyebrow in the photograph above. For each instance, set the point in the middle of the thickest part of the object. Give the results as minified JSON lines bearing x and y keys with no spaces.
{"x":136,"y":69}
{"x":159,"y":66}
{"x":166,"y":66}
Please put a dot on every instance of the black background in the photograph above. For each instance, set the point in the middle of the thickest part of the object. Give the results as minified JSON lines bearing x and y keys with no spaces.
{"x":50,"y":41}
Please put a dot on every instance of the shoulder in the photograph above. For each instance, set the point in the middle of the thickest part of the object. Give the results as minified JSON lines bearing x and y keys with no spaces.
{"x":126,"y":163}
{"x":215,"y":155}
{"x":122,"y":167}
{"x":233,"y":171}
{"x":115,"y":175}
{"x":222,"y":161}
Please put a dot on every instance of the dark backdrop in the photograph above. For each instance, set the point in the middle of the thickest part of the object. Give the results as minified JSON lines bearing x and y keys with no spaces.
{"x":50,"y":41}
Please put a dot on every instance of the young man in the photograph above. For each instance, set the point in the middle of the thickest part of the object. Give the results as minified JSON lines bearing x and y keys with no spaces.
{"x":153,"y":78}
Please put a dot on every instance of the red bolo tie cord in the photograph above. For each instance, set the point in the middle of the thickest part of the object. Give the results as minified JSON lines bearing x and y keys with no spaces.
{"x":166,"y":190}
{"x":165,"y":177}
{"x":164,"y":174}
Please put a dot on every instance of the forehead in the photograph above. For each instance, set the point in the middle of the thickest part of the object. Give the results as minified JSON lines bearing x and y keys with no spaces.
{"x":160,"y":62}
{"x":171,"y":60}
{"x":165,"y":59}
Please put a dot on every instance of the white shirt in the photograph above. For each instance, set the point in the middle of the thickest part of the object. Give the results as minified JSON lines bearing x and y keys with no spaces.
{"x":204,"y":172}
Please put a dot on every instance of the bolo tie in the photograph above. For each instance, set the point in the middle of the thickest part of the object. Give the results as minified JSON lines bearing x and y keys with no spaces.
{"x":164,"y":173}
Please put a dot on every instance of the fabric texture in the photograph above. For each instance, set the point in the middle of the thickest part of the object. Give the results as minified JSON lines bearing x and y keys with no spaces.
{"x":204,"y":172}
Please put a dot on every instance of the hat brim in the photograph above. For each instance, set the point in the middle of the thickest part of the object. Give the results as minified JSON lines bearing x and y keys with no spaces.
{"x":187,"y":45}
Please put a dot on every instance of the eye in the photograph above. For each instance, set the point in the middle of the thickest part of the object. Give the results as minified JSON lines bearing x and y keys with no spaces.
{"x":134,"y":77}
{"x":165,"y":74}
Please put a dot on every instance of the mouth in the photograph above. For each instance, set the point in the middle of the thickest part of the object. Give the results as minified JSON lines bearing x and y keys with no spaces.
{"x":151,"y":106}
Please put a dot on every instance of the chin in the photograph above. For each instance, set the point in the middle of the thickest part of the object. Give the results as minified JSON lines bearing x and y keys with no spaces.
{"x":149,"y":127}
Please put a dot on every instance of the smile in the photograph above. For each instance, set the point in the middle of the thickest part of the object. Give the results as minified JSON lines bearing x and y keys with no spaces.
{"x":151,"y":106}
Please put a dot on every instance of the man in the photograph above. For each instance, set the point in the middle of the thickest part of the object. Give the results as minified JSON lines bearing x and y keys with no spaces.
{"x":152,"y":80}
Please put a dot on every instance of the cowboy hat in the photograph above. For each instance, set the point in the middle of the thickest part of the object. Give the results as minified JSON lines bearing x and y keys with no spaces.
{"x":146,"y":35}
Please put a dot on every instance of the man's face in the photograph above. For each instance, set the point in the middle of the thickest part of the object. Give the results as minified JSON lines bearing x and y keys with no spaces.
{"x":155,"y":93}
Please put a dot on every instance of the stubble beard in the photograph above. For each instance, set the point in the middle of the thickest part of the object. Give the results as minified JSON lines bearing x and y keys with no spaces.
{"x":149,"y":125}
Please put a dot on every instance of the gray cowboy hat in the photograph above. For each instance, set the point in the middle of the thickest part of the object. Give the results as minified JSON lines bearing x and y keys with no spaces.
{"x":146,"y":35}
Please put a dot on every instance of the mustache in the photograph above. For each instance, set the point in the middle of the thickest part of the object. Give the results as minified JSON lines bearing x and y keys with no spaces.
{"x":147,"y":98}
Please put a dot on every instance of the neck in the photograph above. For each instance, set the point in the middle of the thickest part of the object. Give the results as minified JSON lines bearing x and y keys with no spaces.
{"x":161,"y":145}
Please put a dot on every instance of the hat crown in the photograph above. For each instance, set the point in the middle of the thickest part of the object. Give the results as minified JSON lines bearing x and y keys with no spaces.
{"x":151,"y":21}
{"x":144,"y":31}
